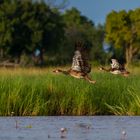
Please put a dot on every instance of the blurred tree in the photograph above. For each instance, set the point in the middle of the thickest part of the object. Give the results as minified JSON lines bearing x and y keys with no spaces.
{"x":31,"y":26}
{"x":97,"y":51}
{"x":134,"y":49}
{"x":26,"y":26}
{"x":79,"y":27}
{"x":47,"y":29}
{"x":122,"y":32}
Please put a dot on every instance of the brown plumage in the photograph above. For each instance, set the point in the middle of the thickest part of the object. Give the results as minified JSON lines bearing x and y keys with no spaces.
{"x":116,"y":68}
{"x":80,"y":66}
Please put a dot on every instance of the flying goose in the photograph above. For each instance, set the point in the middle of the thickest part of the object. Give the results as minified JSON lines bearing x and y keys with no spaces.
{"x":80,"y":66}
{"x":116,"y":68}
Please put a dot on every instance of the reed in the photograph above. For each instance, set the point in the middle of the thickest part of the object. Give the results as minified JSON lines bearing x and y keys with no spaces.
{"x":28,"y":92}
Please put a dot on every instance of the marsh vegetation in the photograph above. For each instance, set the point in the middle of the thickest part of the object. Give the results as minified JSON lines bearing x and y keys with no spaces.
{"x":28,"y":92}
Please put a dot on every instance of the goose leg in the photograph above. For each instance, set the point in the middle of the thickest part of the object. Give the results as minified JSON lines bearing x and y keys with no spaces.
{"x":89,"y":79}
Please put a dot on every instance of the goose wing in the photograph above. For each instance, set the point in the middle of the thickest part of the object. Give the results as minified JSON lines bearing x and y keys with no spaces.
{"x":80,"y":61}
{"x":115,"y":65}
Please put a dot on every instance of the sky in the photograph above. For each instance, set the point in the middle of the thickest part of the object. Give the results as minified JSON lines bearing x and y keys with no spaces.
{"x":96,"y":10}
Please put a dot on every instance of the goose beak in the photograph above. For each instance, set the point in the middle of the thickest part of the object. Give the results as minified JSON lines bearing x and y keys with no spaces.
{"x":55,"y":71}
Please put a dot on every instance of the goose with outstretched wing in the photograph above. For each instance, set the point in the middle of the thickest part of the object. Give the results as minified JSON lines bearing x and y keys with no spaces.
{"x":116,"y":68}
{"x":80,"y":66}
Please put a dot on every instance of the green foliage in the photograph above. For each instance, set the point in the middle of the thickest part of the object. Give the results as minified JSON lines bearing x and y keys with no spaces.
{"x":27,"y":25}
{"x":80,"y":28}
{"x":122,"y":31}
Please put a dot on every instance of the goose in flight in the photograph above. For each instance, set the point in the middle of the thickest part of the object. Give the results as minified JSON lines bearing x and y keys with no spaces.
{"x":80,"y":66}
{"x":116,"y":68}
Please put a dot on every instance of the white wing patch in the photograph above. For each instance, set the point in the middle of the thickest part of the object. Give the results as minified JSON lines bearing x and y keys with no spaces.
{"x":80,"y":63}
{"x":77,"y":59}
{"x":115,"y":64}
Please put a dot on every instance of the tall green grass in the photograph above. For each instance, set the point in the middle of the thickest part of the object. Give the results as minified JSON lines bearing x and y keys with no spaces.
{"x":40,"y":92}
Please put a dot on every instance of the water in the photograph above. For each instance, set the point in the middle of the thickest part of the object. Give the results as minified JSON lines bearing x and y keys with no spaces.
{"x":78,"y":128}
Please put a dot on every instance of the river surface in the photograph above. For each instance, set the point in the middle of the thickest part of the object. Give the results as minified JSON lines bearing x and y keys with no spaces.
{"x":77,"y":128}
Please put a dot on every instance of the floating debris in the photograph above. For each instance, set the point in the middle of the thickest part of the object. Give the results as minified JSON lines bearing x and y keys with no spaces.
{"x":123,"y":135}
{"x":83,"y":125}
{"x":29,"y":126}
{"x":49,"y":136}
{"x":16,"y":124}
{"x":63,"y":131}
{"x":63,"y":137}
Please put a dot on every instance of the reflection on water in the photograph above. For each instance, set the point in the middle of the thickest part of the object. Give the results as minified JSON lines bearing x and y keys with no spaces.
{"x":70,"y":128}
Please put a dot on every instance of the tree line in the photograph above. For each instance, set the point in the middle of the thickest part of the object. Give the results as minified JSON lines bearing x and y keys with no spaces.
{"x":123,"y":34}
{"x":37,"y":33}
